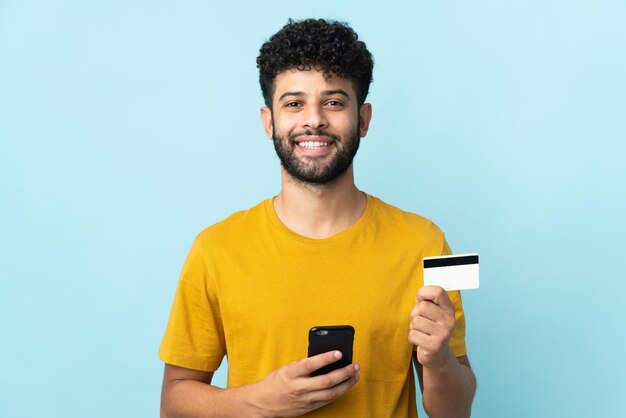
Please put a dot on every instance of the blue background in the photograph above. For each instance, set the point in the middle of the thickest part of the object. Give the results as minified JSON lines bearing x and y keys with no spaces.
{"x":127,"y":127}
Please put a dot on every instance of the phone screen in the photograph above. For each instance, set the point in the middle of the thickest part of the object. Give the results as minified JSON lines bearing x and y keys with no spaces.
{"x":328,"y":338}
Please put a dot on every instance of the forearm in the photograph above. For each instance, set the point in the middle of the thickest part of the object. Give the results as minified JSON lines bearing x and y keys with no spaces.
{"x":194,"y":399}
{"x":449,"y":389}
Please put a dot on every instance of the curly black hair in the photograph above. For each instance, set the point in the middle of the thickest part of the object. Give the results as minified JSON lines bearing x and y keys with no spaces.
{"x":330,"y":46}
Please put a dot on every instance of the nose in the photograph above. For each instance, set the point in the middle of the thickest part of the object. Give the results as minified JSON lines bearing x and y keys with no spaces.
{"x":314,"y":118}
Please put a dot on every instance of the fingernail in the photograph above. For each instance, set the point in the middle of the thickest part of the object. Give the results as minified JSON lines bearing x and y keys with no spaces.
{"x":356,"y":377}
{"x":337,"y":354}
{"x":356,"y":368}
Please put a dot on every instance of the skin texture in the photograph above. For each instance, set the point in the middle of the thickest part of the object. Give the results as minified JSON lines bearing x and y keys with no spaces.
{"x":315,"y":173}
{"x":447,"y":382}
{"x":285,"y":392}
{"x":323,"y":165}
{"x":307,"y":106}
{"x":317,"y":210}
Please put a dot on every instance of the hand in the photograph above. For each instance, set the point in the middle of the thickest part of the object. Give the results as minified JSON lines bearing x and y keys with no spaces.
{"x":432,"y":322}
{"x":290,"y":391}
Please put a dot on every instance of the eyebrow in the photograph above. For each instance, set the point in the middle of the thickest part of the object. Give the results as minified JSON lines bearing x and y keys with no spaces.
{"x":335,"y":91}
{"x":290,"y":93}
{"x":324,"y":93}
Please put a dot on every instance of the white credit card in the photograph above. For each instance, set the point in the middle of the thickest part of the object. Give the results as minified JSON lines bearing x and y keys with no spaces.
{"x":452,"y":272}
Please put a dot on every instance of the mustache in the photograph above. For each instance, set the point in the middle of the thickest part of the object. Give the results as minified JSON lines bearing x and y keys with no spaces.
{"x":313,"y":132}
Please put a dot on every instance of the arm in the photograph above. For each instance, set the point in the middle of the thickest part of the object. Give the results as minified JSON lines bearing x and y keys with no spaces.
{"x":448,"y":383}
{"x":286,"y":392}
{"x":188,"y":393}
{"x":447,"y":392}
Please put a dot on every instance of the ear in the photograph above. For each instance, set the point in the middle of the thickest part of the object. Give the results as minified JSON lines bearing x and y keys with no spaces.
{"x":266,"y":119}
{"x":365,"y":113}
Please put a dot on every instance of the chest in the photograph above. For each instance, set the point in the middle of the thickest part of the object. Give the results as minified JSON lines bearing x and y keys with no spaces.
{"x":270,"y":299}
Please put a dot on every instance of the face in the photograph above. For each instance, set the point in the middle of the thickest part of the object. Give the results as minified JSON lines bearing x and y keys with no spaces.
{"x":316,"y":125}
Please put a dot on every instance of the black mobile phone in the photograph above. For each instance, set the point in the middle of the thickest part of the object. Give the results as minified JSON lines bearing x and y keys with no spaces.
{"x":329,"y":338}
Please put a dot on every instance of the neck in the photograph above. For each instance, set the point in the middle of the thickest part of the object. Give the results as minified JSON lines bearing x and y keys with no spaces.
{"x":319,"y":211}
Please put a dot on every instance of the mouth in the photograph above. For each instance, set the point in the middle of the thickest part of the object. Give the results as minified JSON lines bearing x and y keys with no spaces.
{"x":313,"y":142}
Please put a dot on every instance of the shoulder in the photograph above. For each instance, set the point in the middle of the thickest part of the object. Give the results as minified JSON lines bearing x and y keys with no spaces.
{"x":223,"y":244}
{"x":235,"y":227}
{"x":406,"y":223}
{"x":403,"y":218}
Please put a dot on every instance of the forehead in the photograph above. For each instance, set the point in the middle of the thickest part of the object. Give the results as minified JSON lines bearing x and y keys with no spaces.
{"x":310,"y":82}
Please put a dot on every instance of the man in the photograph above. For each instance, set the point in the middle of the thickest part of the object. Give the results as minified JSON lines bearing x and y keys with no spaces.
{"x":319,"y":253}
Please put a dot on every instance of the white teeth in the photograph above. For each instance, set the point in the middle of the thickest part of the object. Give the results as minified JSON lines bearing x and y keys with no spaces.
{"x":313,"y":144}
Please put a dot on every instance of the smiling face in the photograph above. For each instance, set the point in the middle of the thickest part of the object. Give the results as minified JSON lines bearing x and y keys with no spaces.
{"x":316,"y":124}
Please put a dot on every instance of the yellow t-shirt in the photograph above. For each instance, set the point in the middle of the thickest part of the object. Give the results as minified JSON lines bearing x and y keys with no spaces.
{"x":251,"y":289}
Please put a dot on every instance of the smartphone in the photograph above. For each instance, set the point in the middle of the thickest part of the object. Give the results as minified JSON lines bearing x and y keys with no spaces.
{"x":329,"y":338}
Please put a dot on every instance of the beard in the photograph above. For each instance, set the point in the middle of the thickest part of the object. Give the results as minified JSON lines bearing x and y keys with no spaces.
{"x":316,"y":170}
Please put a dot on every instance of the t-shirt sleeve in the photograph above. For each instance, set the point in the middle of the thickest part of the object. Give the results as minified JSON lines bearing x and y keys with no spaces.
{"x":457,"y":339}
{"x":194,"y":337}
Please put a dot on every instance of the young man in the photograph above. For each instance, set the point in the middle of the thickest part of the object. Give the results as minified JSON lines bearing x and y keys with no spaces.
{"x":321,"y":252}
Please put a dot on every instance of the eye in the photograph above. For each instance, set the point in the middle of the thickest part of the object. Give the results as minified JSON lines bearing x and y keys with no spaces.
{"x":333,"y":103}
{"x":292,"y":104}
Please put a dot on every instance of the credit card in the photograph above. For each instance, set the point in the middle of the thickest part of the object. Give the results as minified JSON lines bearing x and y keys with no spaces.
{"x":452,"y":272}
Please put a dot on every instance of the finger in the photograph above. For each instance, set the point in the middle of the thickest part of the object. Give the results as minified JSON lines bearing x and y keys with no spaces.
{"x":432,"y":293}
{"x":308,"y":365}
{"x":422,"y":353}
{"x":425,"y":308}
{"x":429,"y":335}
{"x":430,"y":310}
{"x":425,"y":325}
{"x":430,"y":343}
{"x":418,"y":338}
{"x":333,"y":378}
{"x":433,"y":320}
{"x":329,"y":394}
{"x":435,"y":294}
